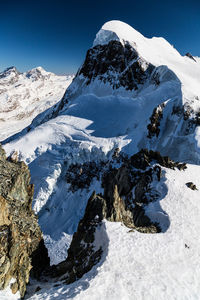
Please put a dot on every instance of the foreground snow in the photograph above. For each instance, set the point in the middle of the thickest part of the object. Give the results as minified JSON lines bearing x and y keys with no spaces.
{"x":147,"y":266}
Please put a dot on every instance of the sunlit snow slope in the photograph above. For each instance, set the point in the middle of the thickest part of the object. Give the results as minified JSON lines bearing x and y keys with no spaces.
{"x":24,"y":95}
{"x":131,"y":92}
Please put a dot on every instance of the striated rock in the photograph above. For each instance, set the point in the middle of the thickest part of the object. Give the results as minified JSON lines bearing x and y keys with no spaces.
{"x":21,"y":243}
{"x":86,"y":248}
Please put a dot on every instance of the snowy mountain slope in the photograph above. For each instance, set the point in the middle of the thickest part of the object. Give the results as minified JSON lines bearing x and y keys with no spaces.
{"x":149,"y":72}
{"x":24,"y":95}
{"x":146,"y":266}
{"x":131,"y":93}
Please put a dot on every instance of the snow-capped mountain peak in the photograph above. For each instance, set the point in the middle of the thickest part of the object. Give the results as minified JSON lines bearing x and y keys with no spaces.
{"x":156,"y":51}
{"x":117,"y":30}
{"x":9,"y":76}
{"x":148,"y":48}
{"x":9,"y":71}
{"x":37,"y":73}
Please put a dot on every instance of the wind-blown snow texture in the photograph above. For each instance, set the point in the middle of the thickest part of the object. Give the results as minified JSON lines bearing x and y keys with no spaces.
{"x":88,"y":123}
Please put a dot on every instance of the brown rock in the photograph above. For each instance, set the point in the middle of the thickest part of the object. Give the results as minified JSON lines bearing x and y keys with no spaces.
{"x":20,"y":235}
{"x":14,"y":287}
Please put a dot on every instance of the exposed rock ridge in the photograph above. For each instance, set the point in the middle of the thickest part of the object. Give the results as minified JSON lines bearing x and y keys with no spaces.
{"x":155,"y":119}
{"x":21,"y":243}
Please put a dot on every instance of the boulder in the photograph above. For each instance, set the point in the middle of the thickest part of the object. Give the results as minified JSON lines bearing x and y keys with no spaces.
{"x":191,"y":186}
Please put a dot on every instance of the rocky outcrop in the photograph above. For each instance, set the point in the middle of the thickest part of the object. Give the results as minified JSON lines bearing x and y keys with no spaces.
{"x":144,"y":157}
{"x":191,"y":186}
{"x":21,"y":244}
{"x":156,"y":117}
{"x":80,"y":176}
{"x":190,"y":56}
{"x":128,"y":189}
{"x":83,"y":254}
{"x":190,"y":117}
{"x":117,"y":64}
{"x":122,"y":204}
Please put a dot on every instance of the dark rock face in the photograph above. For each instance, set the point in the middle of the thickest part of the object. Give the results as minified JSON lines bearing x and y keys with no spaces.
{"x":144,"y":157}
{"x":21,"y":243}
{"x":80,"y":176}
{"x":82,"y":254}
{"x":127,"y":190}
{"x":121,"y":205}
{"x":121,"y":65}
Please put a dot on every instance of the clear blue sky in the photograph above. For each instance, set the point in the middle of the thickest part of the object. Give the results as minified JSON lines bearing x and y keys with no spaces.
{"x":56,"y":34}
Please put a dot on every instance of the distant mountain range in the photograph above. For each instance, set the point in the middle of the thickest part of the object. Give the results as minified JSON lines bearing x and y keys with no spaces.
{"x":24,"y":95}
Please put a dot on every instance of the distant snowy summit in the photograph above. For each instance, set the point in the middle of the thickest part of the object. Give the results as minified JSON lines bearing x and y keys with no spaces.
{"x":24,"y":95}
{"x":39,"y":72}
{"x":11,"y":74}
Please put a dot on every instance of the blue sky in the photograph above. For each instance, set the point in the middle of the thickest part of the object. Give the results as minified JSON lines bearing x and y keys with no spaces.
{"x":56,"y":34}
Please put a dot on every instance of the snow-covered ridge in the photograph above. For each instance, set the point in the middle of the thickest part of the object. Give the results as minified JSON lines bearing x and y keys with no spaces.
{"x":156,"y":51}
{"x":24,"y":95}
{"x":117,"y":30}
